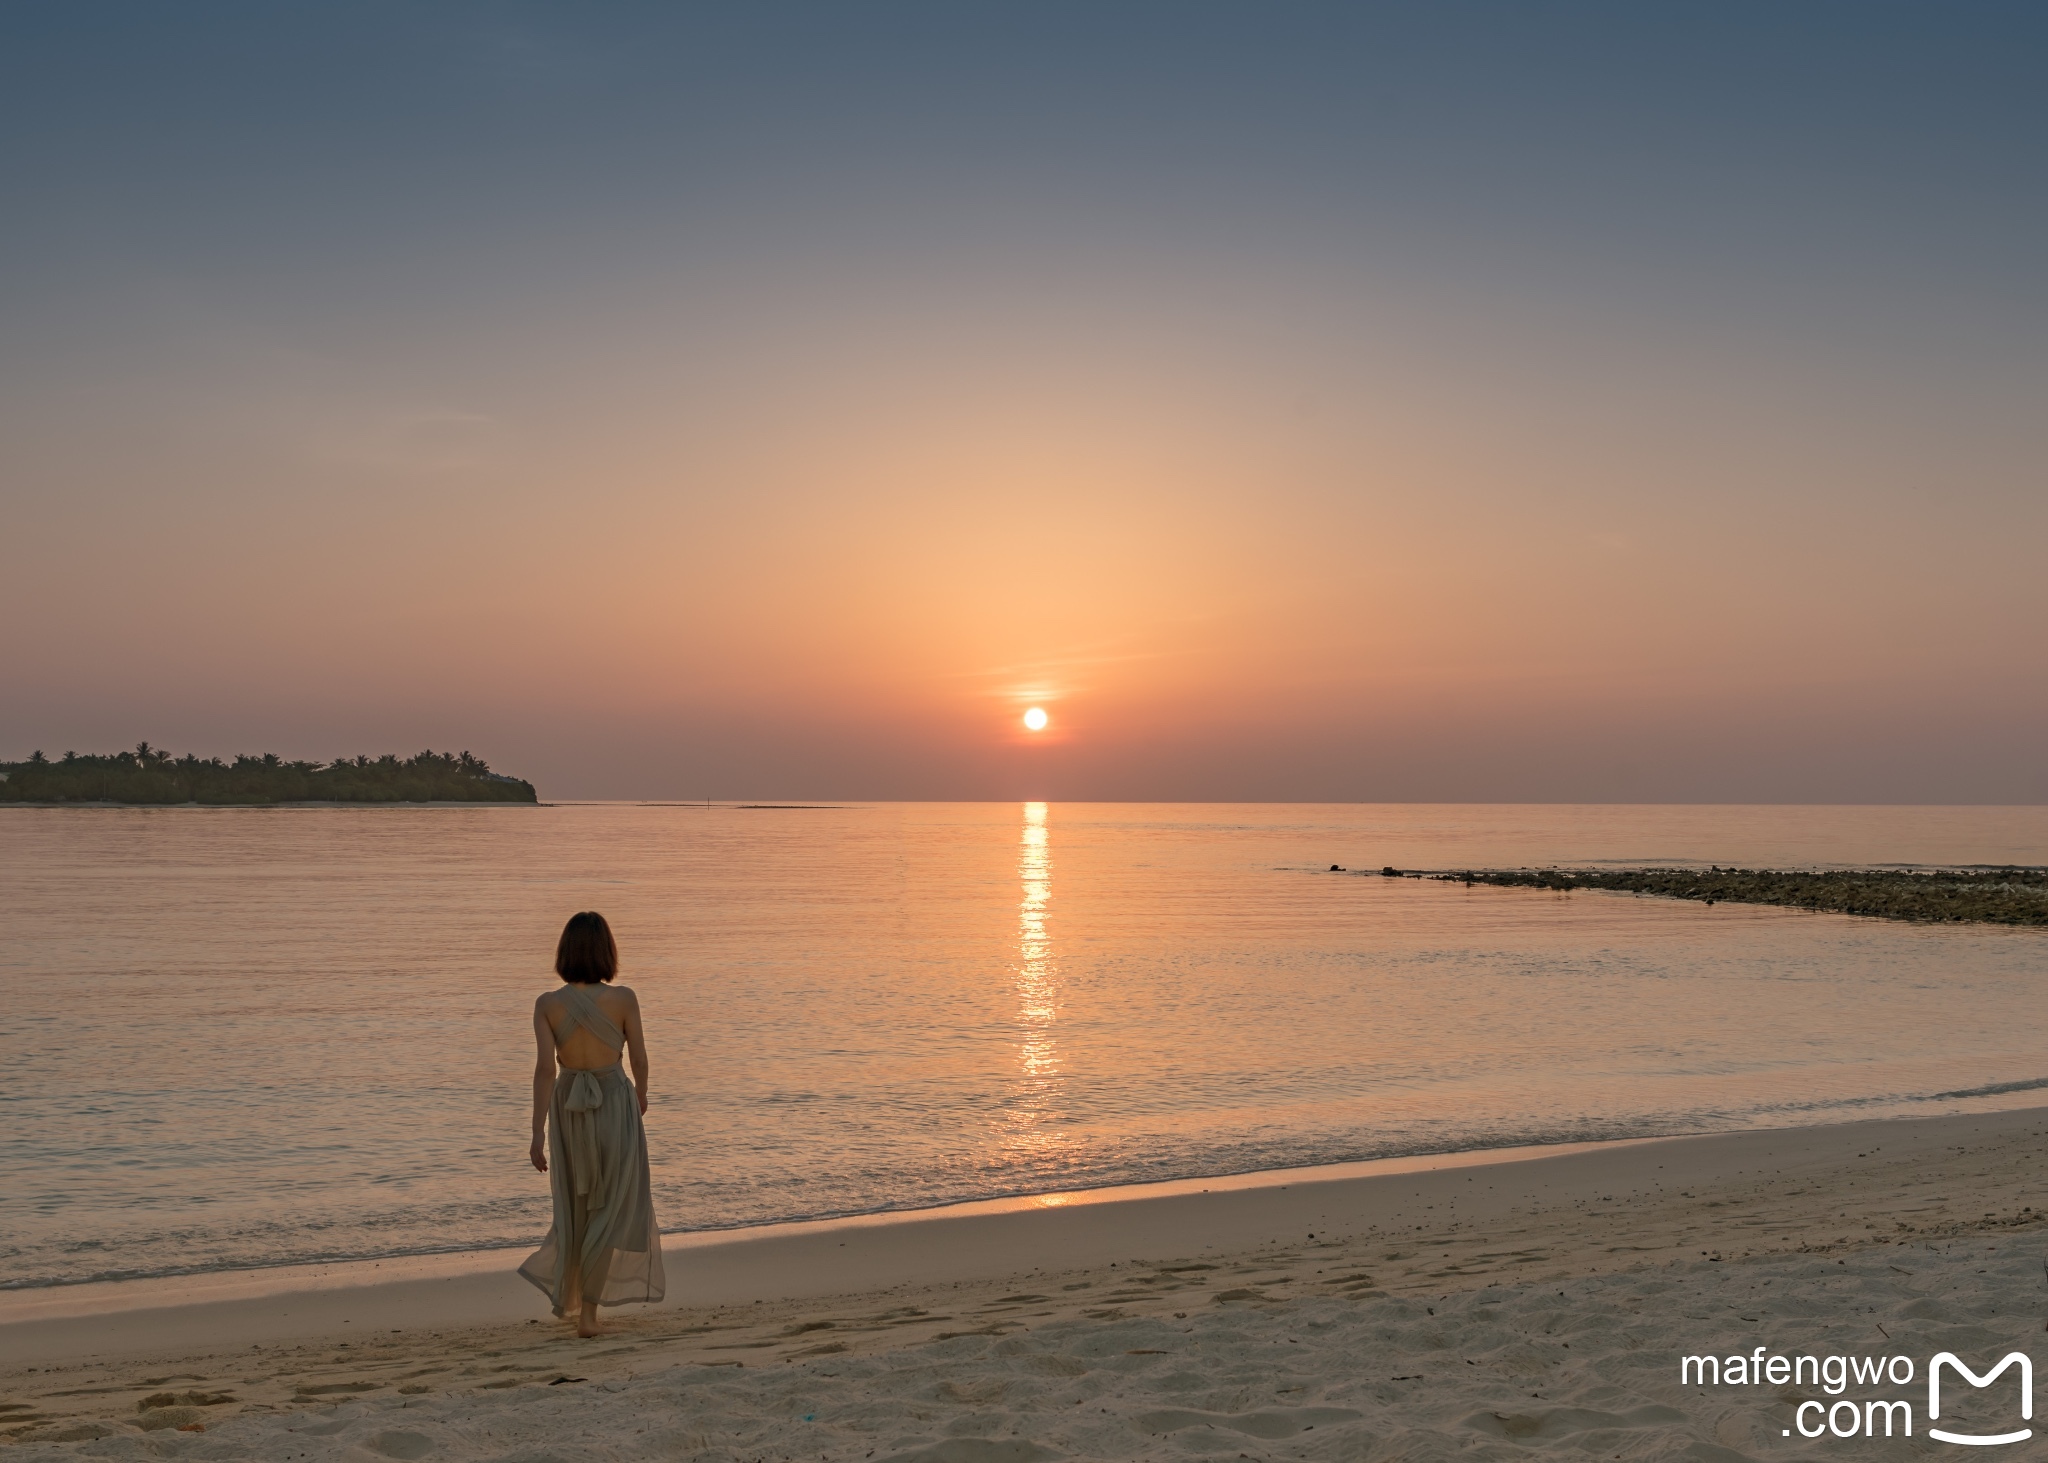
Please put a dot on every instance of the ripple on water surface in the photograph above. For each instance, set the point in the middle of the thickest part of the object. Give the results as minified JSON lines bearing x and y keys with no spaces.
{"x":251,"y":1037}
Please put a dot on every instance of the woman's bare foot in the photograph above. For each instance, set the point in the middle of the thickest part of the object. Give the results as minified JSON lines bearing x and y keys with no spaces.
{"x":586,"y":1321}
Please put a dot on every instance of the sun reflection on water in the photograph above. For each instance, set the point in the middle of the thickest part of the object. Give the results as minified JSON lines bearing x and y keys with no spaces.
{"x":1032,"y":1109}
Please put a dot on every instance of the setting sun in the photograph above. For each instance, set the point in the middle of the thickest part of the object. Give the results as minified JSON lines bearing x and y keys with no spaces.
{"x":1438,"y":458}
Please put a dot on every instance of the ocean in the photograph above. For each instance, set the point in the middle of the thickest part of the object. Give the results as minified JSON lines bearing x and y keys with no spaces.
{"x":242,"y":1038}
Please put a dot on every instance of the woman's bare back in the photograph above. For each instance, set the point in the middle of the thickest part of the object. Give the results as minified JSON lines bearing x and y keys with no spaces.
{"x":580,"y":1049}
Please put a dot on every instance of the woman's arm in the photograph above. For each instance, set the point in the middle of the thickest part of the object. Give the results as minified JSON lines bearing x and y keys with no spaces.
{"x":543,"y":1085}
{"x":636,"y":1047}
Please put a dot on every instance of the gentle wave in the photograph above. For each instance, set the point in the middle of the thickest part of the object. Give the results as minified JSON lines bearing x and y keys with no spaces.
{"x":311,"y":1035}
{"x":1283,"y":1160}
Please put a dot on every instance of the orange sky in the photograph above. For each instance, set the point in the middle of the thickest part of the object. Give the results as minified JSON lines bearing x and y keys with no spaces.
{"x":1284,"y":472}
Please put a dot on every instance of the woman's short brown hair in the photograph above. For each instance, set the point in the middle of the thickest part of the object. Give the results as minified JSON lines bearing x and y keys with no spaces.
{"x":586,"y":953}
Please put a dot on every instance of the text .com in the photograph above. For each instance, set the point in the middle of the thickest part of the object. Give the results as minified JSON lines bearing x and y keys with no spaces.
{"x":1847,"y":1418}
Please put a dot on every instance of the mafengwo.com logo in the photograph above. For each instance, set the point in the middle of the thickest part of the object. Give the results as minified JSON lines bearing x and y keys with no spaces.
{"x":1982,"y":1411}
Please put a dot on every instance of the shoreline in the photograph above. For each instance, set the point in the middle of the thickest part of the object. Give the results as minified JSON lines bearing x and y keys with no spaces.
{"x":99,"y":1296}
{"x":1108,"y":1329}
{"x":973,"y":1241}
{"x":26,"y":1304}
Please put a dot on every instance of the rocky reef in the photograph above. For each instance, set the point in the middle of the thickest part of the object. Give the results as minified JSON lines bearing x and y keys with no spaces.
{"x":2005,"y":896}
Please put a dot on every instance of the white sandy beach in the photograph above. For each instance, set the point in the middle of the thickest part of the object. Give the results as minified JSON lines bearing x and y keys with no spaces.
{"x":1477,"y":1308}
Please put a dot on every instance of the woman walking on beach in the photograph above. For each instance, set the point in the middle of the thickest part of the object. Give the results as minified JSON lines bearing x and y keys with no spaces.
{"x":604,"y":1248}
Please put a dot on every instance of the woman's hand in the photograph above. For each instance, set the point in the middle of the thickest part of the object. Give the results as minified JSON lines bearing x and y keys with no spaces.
{"x":539,"y":1154}
{"x":643,"y":1104}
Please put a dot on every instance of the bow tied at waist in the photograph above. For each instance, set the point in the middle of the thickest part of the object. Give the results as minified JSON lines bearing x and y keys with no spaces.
{"x":581,"y":1105}
{"x":584,"y":1093}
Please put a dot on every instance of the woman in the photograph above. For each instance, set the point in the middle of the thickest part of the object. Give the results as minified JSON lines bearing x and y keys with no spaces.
{"x":605,"y":1248}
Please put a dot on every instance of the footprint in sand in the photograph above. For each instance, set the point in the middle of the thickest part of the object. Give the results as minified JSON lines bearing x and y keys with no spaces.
{"x":1270,"y":1423}
{"x":1563,"y":1422}
{"x":400,"y":1444}
{"x":976,"y":1450}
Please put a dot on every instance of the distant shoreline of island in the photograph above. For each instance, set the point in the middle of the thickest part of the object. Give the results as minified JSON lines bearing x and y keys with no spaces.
{"x":151,"y":777}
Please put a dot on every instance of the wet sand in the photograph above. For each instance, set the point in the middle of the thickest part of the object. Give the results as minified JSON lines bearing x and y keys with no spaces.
{"x":1479,"y":1306}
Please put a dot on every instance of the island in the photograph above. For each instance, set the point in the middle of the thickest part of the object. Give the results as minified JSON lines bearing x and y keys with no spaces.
{"x":150,"y":776}
{"x":2006,"y":896}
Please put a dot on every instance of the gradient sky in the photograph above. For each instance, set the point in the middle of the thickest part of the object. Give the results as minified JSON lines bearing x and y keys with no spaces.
{"x":1443,"y":401}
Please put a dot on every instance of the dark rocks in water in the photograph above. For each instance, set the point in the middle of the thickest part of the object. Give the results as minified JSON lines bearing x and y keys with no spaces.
{"x":1390,"y":872}
{"x":1336,"y":868}
{"x":2007,"y":896}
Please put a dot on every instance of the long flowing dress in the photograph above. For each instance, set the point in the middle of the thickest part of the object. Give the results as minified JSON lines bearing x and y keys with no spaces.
{"x":605,"y":1245}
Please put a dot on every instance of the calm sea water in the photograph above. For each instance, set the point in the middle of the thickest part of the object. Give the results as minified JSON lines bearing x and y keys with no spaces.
{"x":250,"y":1037}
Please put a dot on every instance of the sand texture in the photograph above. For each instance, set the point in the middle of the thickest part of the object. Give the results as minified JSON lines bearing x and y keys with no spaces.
{"x":1481,"y":1312}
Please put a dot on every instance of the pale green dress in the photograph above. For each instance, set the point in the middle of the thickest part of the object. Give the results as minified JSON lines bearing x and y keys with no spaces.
{"x":605,"y":1245}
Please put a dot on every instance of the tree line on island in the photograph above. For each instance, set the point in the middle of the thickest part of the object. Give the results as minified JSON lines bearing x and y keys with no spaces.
{"x":150,"y":775}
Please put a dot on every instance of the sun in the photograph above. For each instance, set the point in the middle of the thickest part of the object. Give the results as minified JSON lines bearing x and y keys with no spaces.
{"x":1035,"y":719}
